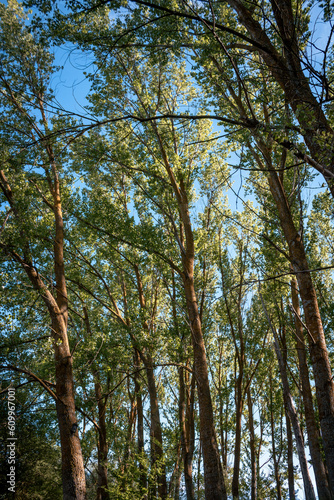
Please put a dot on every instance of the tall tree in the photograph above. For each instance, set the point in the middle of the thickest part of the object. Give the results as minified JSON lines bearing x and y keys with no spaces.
{"x":25,"y":129}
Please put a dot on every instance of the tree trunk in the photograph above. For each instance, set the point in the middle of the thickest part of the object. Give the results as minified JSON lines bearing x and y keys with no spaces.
{"x":252,"y":446}
{"x":73,"y":474}
{"x":272,"y":426}
{"x":102,"y":480}
{"x":213,"y":474}
{"x":186,"y":418}
{"x":290,"y":409}
{"x":291,"y":479}
{"x":156,"y":432}
{"x":318,"y":350}
{"x":237,"y":447}
{"x":140,"y":428}
{"x":313,"y":435}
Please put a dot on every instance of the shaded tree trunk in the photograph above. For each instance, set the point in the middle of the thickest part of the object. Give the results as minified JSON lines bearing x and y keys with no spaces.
{"x":273,"y":440}
{"x":186,"y":417}
{"x":290,"y":409}
{"x":317,"y":345}
{"x":237,"y":447}
{"x":157,"y":455}
{"x":291,"y":479}
{"x":252,"y":446}
{"x":140,"y":428}
{"x":313,"y":435}
{"x":102,"y":481}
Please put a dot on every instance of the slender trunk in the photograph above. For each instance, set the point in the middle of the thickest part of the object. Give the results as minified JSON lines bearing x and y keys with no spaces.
{"x":102,"y":445}
{"x":186,"y":436}
{"x":131,"y":425}
{"x":102,"y":480}
{"x":313,"y":435}
{"x":140,"y":429}
{"x":199,"y":460}
{"x":156,"y":432}
{"x":318,"y":350}
{"x":213,"y":474}
{"x":290,"y":409}
{"x":252,"y":446}
{"x":291,"y":479}
{"x":272,"y":426}
{"x":175,"y":480}
{"x":237,"y":448}
{"x":222,"y":414}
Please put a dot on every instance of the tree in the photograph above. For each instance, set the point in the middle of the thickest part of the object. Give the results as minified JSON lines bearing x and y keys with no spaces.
{"x":25,"y":71}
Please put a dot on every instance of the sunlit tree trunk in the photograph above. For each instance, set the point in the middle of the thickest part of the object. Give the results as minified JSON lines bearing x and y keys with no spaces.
{"x":213,"y":474}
